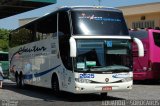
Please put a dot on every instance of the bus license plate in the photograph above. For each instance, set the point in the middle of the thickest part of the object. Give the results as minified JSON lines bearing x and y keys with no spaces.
{"x":107,"y":88}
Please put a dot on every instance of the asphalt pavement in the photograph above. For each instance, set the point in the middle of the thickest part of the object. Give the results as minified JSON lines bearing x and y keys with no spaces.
{"x":141,"y":94}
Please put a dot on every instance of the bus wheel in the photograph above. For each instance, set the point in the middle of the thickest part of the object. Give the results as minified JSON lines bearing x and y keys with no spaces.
{"x":55,"y":85}
{"x":104,"y":96}
{"x":17,"y":79}
{"x":21,"y":80}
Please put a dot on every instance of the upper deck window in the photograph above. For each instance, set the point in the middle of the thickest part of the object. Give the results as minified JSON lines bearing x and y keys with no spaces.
{"x":95,"y":22}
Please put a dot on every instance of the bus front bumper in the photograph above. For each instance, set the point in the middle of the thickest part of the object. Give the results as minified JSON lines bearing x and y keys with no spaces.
{"x":102,"y":88}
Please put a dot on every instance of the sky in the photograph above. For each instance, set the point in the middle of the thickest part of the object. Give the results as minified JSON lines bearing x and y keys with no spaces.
{"x":13,"y":23}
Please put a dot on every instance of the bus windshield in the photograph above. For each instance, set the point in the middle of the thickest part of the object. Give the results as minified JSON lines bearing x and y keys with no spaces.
{"x":103,"y":56}
{"x":94,"y":22}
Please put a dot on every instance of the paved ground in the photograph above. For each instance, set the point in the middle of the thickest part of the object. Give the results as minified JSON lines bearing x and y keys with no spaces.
{"x":35,"y":96}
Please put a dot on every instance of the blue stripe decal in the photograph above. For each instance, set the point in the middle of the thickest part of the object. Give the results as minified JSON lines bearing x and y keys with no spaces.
{"x":30,"y":76}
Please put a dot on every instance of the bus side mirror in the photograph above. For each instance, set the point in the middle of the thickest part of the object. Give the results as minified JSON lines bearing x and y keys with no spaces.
{"x":140,"y":47}
{"x":73,"y":50}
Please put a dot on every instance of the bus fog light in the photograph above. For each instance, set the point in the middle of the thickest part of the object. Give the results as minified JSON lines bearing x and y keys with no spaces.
{"x":80,"y":80}
{"x":129,"y":87}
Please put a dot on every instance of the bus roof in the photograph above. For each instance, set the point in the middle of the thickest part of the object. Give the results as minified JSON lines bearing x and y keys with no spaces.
{"x":73,"y":8}
{"x":89,"y":8}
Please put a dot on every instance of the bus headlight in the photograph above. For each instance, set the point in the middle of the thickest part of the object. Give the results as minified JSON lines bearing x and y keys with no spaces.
{"x":126,"y":79}
{"x":80,"y":80}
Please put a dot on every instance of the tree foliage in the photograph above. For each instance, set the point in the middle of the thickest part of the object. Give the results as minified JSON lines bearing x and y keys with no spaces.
{"x":4,"y":39}
{"x":21,"y":36}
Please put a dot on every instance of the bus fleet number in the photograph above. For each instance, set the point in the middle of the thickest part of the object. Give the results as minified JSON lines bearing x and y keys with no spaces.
{"x":86,"y":75}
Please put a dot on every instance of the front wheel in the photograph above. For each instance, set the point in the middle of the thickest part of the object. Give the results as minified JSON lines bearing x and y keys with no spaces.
{"x":55,"y":86}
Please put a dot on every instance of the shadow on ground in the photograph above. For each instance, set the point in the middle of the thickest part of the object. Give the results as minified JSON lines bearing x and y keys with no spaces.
{"x":47,"y":94}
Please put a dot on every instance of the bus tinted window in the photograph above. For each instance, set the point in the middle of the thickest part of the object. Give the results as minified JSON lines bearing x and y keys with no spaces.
{"x":35,"y":31}
{"x":21,"y":36}
{"x":46,"y":27}
{"x":139,"y":34}
{"x":98,"y":22}
{"x":156,"y":37}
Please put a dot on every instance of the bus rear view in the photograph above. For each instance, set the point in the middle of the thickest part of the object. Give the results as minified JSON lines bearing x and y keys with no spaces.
{"x":147,"y":67}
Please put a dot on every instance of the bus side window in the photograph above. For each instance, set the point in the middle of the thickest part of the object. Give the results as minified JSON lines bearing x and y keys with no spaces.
{"x":46,"y":27}
{"x":64,"y":35}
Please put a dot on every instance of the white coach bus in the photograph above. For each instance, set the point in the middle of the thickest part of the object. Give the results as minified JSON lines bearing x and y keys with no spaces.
{"x":74,"y":49}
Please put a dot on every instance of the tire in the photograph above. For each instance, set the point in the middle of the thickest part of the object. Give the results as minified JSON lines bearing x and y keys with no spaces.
{"x":55,"y":86}
{"x":104,"y":96}
{"x":17,"y":79}
{"x":21,"y":80}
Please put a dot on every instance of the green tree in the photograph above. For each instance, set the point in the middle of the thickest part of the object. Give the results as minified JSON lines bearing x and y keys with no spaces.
{"x":4,"y":39}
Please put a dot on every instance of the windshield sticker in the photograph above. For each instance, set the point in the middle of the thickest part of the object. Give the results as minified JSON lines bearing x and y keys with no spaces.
{"x":86,"y":75}
{"x":81,"y":65}
{"x":120,"y":75}
{"x":90,"y":63}
{"x":93,"y":17}
{"x":108,"y":43}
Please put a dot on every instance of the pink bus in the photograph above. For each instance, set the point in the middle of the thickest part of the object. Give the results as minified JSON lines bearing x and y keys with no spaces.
{"x":147,"y":67}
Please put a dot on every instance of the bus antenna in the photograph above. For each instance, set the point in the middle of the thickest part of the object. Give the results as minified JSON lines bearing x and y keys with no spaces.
{"x":99,"y":1}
